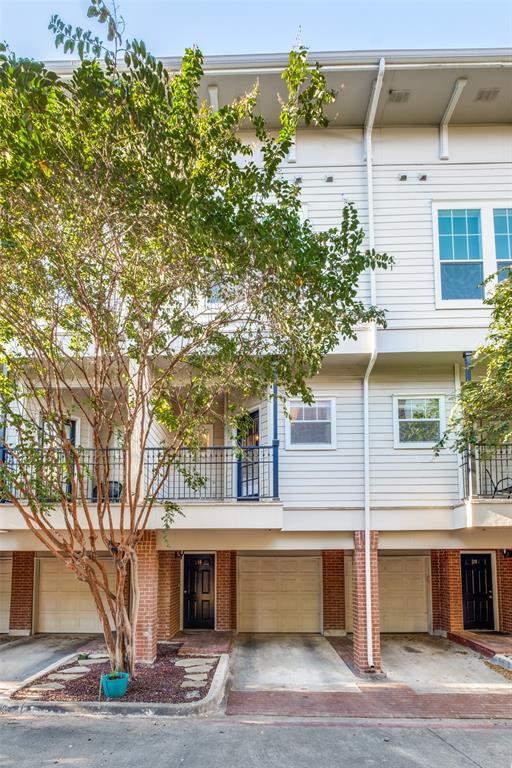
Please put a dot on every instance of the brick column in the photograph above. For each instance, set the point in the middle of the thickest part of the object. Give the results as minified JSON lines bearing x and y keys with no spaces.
{"x":504,"y":580}
{"x":447,"y":614}
{"x":146,"y":631}
{"x":333,"y":591}
{"x":22,"y":593}
{"x":225,"y":608}
{"x":359,"y":603}
{"x":169,"y":589}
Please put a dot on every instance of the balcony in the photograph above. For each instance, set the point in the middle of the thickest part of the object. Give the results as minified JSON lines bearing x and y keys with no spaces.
{"x":219,"y":473}
{"x":487,"y":472}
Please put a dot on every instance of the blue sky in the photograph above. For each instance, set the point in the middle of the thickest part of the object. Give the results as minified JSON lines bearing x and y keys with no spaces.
{"x":249,"y":26}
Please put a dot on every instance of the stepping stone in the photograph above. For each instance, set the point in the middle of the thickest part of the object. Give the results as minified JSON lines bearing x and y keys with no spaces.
{"x":60,"y":676}
{"x":46,"y":687}
{"x":197,"y":670}
{"x":74,"y":670}
{"x":199,"y":678}
{"x":87,"y":662}
{"x":194,"y":662}
{"x":192,"y":695}
{"x":191,"y":684}
{"x":98,"y":655}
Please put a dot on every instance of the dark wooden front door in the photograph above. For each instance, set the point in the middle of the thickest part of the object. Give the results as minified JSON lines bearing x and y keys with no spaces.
{"x":199,"y":592}
{"x":477,"y":599}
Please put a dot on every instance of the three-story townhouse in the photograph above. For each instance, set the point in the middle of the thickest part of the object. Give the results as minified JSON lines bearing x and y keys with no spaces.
{"x":341,"y":510}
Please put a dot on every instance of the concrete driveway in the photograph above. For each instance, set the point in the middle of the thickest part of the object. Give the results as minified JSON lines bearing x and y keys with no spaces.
{"x":434,"y":664}
{"x":26,"y":657}
{"x":271,"y":662}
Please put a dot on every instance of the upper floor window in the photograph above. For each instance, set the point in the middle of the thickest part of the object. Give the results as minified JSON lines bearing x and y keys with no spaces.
{"x":311,"y":426}
{"x":473,"y":243}
{"x":460,"y":253}
{"x":418,"y":421}
{"x":503,"y":240}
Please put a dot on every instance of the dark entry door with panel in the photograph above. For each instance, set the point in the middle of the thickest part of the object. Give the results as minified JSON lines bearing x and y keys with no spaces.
{"x":199,"y":592}
{"x":477,"y":599}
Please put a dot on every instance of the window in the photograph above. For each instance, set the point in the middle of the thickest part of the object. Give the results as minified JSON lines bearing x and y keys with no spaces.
{"x":503,"y":240}
{"x":418,"y":421}
{"x":473,"y":243}
{"x":460,"y":253}
{"x":311,"y":426}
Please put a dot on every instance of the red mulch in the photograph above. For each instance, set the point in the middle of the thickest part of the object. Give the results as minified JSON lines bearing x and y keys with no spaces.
{"x":155,"y":683}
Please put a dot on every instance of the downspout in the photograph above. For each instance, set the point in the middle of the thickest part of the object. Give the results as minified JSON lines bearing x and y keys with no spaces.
{"x":368,"y":128}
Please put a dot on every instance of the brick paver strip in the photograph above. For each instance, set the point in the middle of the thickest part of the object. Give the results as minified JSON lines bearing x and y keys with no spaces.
{"x":388,"y":703}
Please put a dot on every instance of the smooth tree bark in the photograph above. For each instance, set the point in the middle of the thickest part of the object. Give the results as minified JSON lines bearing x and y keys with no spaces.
{"x":154,"y":264}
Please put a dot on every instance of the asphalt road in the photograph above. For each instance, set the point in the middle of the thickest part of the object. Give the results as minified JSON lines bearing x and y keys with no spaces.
{"x":27,"y":741}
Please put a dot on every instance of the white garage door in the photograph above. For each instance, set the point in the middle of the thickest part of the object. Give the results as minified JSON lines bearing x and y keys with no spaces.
{"x":404,"y":589}
{"x":404,"y":601}
{"x":279,"y":594}
{"x":65,"y":604}
{"x":5,"y":593}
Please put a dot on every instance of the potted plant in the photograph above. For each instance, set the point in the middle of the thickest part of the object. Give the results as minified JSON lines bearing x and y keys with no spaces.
{"x":114,"y":684}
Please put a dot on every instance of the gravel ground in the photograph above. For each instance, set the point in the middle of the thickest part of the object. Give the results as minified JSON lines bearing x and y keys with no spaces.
{"x":157,"y":682}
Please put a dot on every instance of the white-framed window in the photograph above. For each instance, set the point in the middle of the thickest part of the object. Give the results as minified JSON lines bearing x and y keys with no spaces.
{"x":472,"y":241}
{"x":418,"y":420}
{"x":311,"y":426}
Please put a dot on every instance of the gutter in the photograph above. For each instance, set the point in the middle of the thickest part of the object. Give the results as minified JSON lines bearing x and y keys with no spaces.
{"x":368,"y":128}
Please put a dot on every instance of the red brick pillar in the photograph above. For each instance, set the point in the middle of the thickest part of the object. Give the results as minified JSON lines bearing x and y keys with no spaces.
{"x":169,"y":589}
{"x":450,"y":590}
{"x":333,"y":591}
{"x":22,"y":593}
{"x":146,"y":632}
{"x":435,"y":577}
{"x":504,"y":579}
{"x":225,"y":608}
{"x":359,"y":603}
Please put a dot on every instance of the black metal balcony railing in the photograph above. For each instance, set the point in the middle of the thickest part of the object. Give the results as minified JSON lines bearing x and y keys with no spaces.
{"x":210,"y":474}
{"x":487,"y":472}
{"x":216,"y":473}
{"x":53,"y":476}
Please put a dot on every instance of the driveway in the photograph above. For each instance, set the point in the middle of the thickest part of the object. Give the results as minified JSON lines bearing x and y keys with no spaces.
{"x":271,"y":662}
{"x":436,"y":665}
{"x":26,"y":657}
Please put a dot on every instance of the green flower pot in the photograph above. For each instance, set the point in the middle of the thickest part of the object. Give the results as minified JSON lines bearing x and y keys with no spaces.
{"x":114,"y":687}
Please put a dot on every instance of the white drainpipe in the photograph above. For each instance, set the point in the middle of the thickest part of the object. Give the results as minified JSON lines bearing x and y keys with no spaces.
{"x":368,"y":127}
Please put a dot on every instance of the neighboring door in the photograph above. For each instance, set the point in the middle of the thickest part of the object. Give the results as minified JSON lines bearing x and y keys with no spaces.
{"x":248,"y":474}
{"x":5,"y":593}
{"x":477,"y":598}
{"x":279,"y":594}
{"x":65,"y":604}
{"x":199,"y":592}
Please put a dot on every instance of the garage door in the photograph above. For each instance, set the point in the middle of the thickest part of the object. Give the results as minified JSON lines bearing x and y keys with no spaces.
{"x":404,"y":588}
{"x":279,"y":594}
{"x":404,"y":594}
{"x":65,"y":604}
{"x":5,"y":593}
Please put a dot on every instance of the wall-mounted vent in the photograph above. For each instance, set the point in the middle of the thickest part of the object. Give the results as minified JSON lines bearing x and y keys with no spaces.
{"x":487,"y":94}
{"x":398,"y":97}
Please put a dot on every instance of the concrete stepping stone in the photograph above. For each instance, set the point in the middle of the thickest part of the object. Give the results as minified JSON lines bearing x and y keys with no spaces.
{"x":191,"y":684}
{"x":199,"y":678}
{"x":74,"y":670}
{"x":198,"y":670}
{"x":98,"y":655}
{"x":46,"y":687}
{"x":87,"y":662}
{"x":67,"y":678}
{"x":195,"y":662}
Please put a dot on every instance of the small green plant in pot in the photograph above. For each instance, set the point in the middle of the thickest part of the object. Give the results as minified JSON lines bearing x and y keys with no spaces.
{"x":114,"y":684}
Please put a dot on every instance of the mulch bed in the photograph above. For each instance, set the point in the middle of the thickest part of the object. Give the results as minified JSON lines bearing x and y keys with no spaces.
{"x":155,"y":683}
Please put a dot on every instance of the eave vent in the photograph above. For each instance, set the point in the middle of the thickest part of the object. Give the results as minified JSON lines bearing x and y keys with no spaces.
{"x":487,"y":94}
{"x":398,"y":97}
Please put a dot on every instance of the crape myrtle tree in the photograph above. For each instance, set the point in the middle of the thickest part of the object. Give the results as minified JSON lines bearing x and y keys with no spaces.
{"x":483,"y":415}
{"x":126,"y":205}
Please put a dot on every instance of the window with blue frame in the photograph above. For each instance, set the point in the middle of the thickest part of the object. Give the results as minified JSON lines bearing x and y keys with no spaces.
{"x":503,"y":240}
{"x":460,"y":253}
